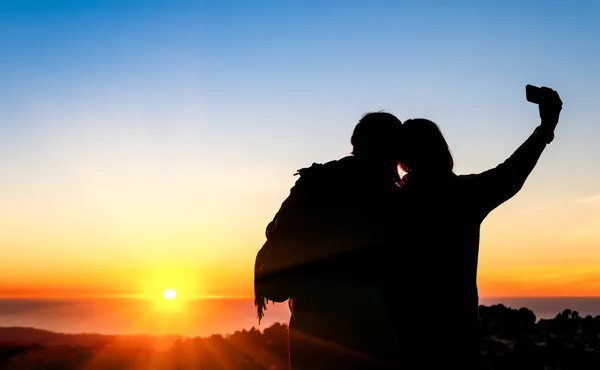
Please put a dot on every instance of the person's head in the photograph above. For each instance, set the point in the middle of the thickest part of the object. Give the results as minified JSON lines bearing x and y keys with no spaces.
{"x":376,"y":138}
{"x":424,"y":149}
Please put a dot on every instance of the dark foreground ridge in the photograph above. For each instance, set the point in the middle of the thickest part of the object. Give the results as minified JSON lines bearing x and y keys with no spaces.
{"x":512,"y":340}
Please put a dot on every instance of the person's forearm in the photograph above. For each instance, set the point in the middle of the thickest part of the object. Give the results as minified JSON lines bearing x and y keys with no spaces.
{"x":497,"y":185}
{"x":512,"y":173}
{"x":520,"y":164}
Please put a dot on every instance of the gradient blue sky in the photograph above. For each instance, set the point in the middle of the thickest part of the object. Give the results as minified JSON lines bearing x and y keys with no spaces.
{"x":169,"y":130}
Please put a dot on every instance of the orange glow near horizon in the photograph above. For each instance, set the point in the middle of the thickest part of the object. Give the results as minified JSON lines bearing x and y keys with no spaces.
{"x":117,"y":240}
{"x":495,"y":280}
{"x":531,"y":266}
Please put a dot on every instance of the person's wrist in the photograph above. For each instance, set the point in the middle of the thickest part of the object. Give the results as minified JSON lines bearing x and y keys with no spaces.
{"x":549,"y":123}
{"x":546,"y":132}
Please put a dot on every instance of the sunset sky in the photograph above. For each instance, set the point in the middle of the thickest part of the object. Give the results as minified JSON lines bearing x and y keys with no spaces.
{"x":145,"y":145}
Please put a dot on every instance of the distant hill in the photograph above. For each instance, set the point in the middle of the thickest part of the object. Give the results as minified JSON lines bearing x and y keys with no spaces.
{"x":512,"y":339}
{"x":28,"y":336}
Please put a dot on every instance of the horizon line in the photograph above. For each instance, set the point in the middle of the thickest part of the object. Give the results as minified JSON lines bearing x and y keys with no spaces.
{"x":111,"y":296}
{"x":227,"y":296}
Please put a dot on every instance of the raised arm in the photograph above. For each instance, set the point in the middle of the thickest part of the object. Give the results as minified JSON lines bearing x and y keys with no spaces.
{"x":495,"y":186}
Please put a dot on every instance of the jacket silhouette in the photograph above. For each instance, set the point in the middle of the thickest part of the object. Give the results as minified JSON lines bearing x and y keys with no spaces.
{"x":445,"y":212}
{"x":327,"y":240}
{"x":339,"y":319}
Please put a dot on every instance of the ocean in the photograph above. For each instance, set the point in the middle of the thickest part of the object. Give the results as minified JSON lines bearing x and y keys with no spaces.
{"x":201,"y":317}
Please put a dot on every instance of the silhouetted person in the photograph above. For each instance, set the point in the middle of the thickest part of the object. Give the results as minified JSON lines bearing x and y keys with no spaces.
{"x":321,"y":251}
{"x":445,"y":212}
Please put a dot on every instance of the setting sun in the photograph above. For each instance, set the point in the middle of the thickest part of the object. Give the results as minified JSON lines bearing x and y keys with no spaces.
{"x":170,"y":294}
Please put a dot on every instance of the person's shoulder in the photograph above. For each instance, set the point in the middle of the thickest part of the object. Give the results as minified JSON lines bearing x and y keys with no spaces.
{"x":312,"y":170}
{"x":465,"y":180}
{"x":324,"y":177}
{"x":328,"y":169}
{"x":343,"y":164}
{"x":466,"y":185}
{"x":466,"y":177}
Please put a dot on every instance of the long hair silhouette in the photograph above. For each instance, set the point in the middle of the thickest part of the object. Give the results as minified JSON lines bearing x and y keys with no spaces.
{"x":424,"y":149}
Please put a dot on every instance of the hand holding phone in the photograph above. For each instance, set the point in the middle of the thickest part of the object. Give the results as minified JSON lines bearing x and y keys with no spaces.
{"x":549,"y":102}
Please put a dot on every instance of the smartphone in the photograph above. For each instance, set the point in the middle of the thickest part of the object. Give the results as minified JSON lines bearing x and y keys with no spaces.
{"x":532,"y":93}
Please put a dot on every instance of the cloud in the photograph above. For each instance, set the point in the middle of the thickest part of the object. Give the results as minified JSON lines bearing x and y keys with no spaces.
{"x":588,"y":232}
{"x":536,"y":209}
{"x":587,"y":200}
{"x":581,"y":201}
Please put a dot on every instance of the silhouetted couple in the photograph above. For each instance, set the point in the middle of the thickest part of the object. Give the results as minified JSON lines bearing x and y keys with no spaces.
{"x":381,"y":271}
